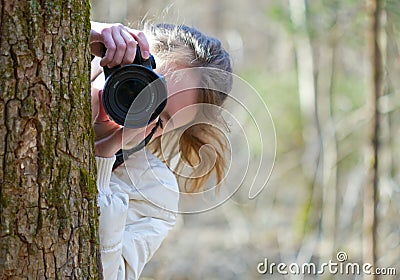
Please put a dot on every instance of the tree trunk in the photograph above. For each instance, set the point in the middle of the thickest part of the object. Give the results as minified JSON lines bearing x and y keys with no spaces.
{"x":371,"y":189}
{"x":307,"y":91}
{"x":48,"y":198}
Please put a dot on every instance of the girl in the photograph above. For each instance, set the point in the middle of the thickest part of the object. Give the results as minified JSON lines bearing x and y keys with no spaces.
{"x":139,"y":199}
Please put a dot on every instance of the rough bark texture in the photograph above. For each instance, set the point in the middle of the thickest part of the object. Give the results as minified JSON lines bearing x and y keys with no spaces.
{"x":48,"y":205}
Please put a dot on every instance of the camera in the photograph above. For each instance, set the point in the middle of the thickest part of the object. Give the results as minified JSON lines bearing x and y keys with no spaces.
{"x":134,"y":95}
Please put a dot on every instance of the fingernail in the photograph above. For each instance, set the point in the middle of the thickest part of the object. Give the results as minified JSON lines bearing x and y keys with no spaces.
{"x":146,"y":54}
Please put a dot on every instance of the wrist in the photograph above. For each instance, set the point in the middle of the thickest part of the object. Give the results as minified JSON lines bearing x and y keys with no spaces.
{"x":107,"y":149}
{"x":104,"y":169}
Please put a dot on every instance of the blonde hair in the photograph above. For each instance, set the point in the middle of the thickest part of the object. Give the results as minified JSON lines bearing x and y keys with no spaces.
{"x":186,"y":47}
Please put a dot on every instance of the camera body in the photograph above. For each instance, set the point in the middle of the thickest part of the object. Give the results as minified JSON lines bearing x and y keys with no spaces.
{"x":134,"y":95}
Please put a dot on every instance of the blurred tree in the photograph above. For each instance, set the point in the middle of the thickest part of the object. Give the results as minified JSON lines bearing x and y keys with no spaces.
{"x":329,"y":141}
{"x":374,"y":9}
{"x":307,"y":92}
{"x":318,"y":181}
{"x":315,"y":45}
{"x":48,"y":205}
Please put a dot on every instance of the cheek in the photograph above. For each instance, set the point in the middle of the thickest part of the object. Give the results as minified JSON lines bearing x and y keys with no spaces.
{"x":181,"y":107}
{"x":180,"y":100}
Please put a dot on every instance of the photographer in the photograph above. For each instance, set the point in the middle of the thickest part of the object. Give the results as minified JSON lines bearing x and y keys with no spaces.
{"x":139,"y":199}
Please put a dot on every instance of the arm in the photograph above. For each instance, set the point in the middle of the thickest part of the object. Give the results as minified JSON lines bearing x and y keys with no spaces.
{"x":112,"y":219}
{"x":152,"y":211}
{"x":120,"y":42}
{"x":114,"y":204}
{"x":109,"y":135}
{"x":132,"y":224}
{"x":141,"y":240}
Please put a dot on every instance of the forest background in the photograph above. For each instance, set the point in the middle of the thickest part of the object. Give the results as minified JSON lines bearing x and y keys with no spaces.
{"x":312,"y":64}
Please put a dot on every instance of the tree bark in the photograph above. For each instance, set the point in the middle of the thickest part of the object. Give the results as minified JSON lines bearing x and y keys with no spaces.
{"x":48,"y":198}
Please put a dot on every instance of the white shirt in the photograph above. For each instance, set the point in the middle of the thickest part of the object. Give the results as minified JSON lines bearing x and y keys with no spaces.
{"x":138,"y":205}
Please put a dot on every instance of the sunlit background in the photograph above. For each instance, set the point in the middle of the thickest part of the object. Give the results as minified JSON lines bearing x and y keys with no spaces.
{"x":309,"y":62}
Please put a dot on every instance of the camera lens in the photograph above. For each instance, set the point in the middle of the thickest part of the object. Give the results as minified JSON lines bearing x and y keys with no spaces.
{"x":127,"y":92}
{"x":134,"y":95}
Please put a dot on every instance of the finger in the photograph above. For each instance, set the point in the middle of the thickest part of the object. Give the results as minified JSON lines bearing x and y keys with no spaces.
{"x":96,"y":48}
{"x":109,"y":44}
{"x":130,"y":51}
{"x":95,"y":36}
{"x":140,"y":37}
{"x":102,"y":115}
{"x":120,"y":47}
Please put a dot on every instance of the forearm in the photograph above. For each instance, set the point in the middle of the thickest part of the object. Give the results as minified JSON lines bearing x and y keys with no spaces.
{"x":112,"y":220}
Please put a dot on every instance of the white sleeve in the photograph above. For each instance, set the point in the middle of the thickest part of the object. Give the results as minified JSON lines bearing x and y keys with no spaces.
{"x":131,"y":225}
{"x":142,"y":239}
{"x":152,"y":214}
{"x":112,"y":219}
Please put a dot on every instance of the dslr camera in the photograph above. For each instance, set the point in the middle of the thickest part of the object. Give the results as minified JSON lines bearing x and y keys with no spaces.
{"x":134,"y":95}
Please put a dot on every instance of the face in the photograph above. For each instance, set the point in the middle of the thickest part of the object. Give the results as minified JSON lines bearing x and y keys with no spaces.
{"x":182,"y":97}
{"x":179,"y":110}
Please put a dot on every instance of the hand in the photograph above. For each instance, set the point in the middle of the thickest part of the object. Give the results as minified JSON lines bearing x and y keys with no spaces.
{"x":109,"y":134}
{"x":120,"y":42}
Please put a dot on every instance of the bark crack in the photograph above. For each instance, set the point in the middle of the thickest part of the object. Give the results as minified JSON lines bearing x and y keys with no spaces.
{"x":44,"y":263}
{"x":14,"y":59}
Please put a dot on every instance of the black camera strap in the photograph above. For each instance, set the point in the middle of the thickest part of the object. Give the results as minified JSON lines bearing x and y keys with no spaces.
{"x":120,"y":154}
